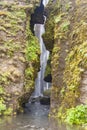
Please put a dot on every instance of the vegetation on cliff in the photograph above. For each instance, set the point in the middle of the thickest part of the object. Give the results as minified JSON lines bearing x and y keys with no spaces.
{"x":19,"y":55}
{"x":69,"y":58}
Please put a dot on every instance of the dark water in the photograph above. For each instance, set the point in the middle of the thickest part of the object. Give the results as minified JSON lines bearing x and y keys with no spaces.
{"x":34,"y":118}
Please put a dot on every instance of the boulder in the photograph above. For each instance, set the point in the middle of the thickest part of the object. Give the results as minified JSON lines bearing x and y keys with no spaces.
{"x":45,"y":100}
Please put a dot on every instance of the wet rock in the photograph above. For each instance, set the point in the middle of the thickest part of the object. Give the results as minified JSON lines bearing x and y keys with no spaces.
{"x":45,"y":100}
{"x":47,"y":75}
{"x":47,"y":92}
{"x":38,"y":16}
{"x":34,"y":99}
{"x":48,"y":78}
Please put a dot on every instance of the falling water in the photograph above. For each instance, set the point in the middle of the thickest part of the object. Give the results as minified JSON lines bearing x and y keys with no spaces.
{"x":40,"y":84}
{"x":45,"y":2}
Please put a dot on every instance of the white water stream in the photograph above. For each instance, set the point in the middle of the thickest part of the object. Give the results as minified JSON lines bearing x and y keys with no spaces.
{"x":40,"y":84}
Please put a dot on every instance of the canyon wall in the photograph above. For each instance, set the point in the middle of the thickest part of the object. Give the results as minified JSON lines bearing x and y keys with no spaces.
{"x":66,"y":39}
{"x":19,"y":55}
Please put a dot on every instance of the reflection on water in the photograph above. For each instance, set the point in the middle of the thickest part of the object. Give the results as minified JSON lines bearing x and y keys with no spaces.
{"x":58,"y":125}
{"x":34,"y":118}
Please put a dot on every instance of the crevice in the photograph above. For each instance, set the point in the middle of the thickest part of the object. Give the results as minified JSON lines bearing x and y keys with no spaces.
{"x":38,"y":16}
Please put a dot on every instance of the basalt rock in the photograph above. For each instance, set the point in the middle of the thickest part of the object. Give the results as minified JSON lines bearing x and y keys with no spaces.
{"x":45,"y":100}
{"x":47,"y":75}
{"x":38,"y":16}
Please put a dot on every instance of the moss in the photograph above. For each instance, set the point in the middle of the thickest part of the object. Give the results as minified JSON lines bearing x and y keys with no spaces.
{"x":2,"y":107}
{"x":55,"y":56}
{"x":16,"y":42}
{"x":4,"y":78}
{"x":48,"y":36}
{"x":32,"y":50}
{"x":8,"y":112}
{"x":47,"y":71}
{"x":77,"y":115}
{"x":32,"y":53}
{"x":69,"y":49}
{"x":4,"y":110}
{"x":75,"y":63}
{"x":1,"y":90}
{"x":29,"y":72}
{"x":32,"y":47}
{"x":2,"y":102}
{"x":62,"y":28}
{"x":11,"y":25}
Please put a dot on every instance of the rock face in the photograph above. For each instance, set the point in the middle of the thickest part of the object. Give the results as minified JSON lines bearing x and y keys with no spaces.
{"x":45,"y":100}
{"x":47,"y":75}
{"x":83,"y":89}
{"x":37,"y":17}
{"x":18,"y":62}
{"x":66,"y":39}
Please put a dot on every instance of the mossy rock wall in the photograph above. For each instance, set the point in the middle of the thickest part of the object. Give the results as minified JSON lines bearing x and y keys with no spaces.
{"x":69,"y":55}
{"x":19,"y":55}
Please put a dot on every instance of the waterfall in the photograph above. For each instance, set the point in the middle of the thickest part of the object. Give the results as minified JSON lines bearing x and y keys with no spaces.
{"x":45,"y":2}
{"x":40,"y":84}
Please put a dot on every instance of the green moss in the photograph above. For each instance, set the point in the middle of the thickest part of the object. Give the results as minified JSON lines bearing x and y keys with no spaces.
{"x":65,"y":25}
{"x":2,"y":29}
{"x":32,"y":54}
{"x":19,"y":14}
{"x":4,"y":78}
{"x":58,"y":18}
{"x":12,"y":19}
{"x":29,"y":72}
{"x":55,"y":56}
{"x":32,"y":50}
{"x":15,"y":36}
{"x":1,"y":90}
{"x":75,"y":62}
{"x":48,"y":36}
{"x":48,"y":70}
{"x":32,"y":47}
{"x":77,"y":115}
{"x":11,"y":47}
{"x":62,"y":30}
{"x":2,"y":106}
{"x":68,"y":6}
{"x":69,"y":34}
{"x":8,"y":112}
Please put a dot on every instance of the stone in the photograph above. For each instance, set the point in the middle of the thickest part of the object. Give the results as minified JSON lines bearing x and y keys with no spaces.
{"x":48,"y":78}
{"x":45,"y":100}
{"x":47,"y":92}
{"x":37,"y":17}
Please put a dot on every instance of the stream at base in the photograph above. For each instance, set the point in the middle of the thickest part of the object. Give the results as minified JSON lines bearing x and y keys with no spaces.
{"x":34,"y":118}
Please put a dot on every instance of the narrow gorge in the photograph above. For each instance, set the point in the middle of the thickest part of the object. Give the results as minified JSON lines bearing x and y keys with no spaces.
{"x":43,"y":64}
